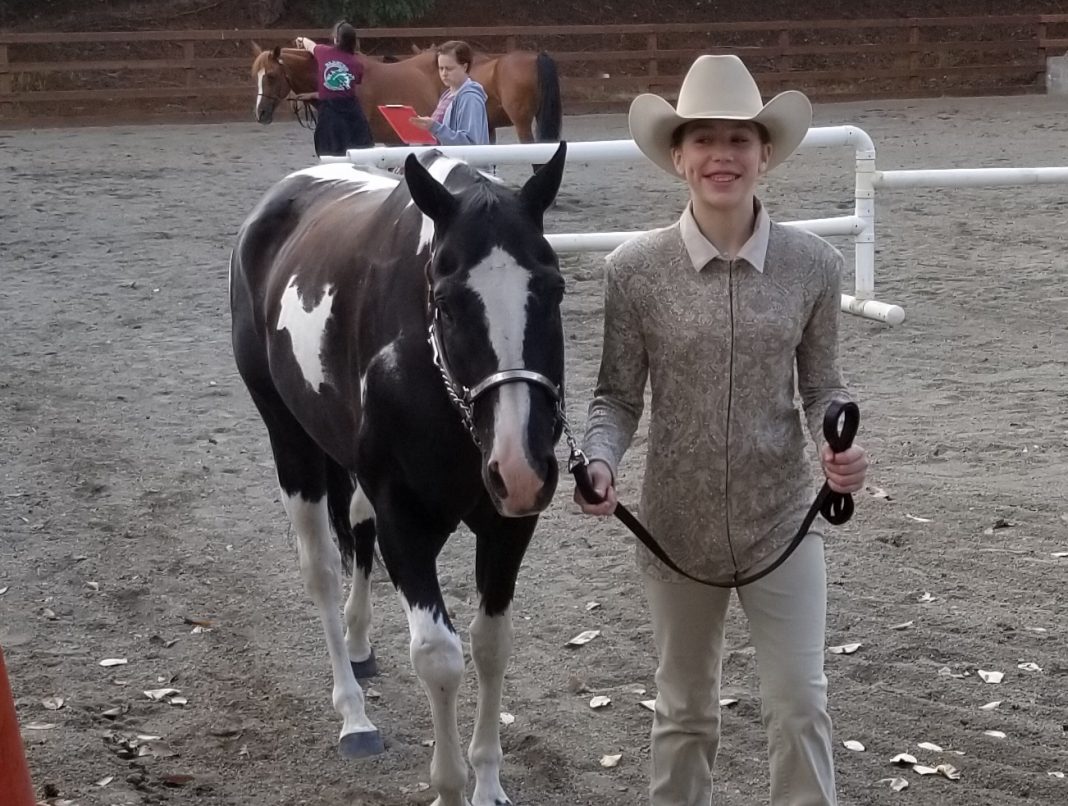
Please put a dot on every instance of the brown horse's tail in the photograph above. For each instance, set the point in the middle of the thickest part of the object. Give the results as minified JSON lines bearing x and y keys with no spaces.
{"x":549,"y":119}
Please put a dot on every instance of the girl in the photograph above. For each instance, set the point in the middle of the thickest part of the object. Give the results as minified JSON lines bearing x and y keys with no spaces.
{"x":341,"y":122}
{"x":721,"y":312}
{"x":460,"y":117}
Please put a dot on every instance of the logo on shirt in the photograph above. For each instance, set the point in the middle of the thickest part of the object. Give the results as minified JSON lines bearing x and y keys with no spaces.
{"x":337,"y":77}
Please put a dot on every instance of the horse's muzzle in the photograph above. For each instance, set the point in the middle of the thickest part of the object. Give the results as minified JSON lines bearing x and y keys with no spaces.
{"x":519,"y":489}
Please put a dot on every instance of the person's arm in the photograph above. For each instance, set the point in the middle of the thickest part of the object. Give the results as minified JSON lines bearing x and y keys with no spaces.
{"x":307,"y":44}
{"x":620,"y":394}
{"x":819,"y":381}
{"x":472,"y":127}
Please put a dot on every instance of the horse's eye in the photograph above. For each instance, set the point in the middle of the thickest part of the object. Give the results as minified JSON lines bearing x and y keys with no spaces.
{"x":443,"y":309}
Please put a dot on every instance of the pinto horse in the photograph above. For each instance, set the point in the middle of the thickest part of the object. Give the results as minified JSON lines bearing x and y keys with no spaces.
{"x":402,"y":341}
{"x":522,"y":88}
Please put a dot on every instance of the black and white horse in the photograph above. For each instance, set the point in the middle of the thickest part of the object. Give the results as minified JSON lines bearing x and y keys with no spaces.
{"x":402,"y":342}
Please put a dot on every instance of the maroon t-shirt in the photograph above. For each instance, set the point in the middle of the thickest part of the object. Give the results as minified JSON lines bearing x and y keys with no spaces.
{"x":336,"y":72}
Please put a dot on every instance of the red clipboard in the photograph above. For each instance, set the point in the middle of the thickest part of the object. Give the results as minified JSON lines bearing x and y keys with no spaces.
{"x":398,"y":116}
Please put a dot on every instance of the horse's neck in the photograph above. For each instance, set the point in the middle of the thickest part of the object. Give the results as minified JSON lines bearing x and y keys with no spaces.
{"x":301,"y":72}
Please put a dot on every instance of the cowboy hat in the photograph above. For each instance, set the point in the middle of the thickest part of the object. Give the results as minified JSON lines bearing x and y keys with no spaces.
{"x":718,"y":87}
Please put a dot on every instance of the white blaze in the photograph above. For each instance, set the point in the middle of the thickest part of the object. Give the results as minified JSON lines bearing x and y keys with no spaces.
{"x":503,"y":286}
{"x":306,"y":329}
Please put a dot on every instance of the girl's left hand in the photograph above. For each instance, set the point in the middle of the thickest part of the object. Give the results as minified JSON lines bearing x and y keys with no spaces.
{"x":421,"y":122}
{"x":845,"y":471}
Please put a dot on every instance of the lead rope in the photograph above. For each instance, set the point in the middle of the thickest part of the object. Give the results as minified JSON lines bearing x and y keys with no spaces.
{"x":840,"y":424}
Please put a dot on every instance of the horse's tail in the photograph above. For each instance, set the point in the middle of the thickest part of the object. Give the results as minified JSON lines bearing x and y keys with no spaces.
{"x":351,"y":516}
{"x":549,"y":118}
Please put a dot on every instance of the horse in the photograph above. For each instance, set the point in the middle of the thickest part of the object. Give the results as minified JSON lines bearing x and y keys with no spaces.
{"x":402,"y":341}
{"x":522,"y":88}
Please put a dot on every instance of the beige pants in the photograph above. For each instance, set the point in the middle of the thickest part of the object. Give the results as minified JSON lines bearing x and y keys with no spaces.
{"x":787,"y":619}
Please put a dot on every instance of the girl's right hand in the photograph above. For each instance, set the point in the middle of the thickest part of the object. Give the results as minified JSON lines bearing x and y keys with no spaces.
{"x":601,"y":479}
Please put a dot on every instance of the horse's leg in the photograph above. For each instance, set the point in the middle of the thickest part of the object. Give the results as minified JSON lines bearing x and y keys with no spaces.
{"x":500,"y":545}
{"x":410,"y":548}
{"x":302,"y":477}
{"x":358,"y":608}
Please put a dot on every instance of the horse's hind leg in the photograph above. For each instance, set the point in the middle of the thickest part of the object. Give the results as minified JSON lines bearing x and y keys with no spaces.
{"x":302,"y":476}
{"x":501,"y":543}
{"x":358,"y":608}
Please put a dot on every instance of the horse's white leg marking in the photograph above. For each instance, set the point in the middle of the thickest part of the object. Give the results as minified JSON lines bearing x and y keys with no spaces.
{"x":359,"y":609}
{"x":306,"y":330}
{"x":491,"y":647}
{"x":438,"y":659}
{"x":259,"y":93}
{"x":503,"y":286}
{"x":320,"y":566}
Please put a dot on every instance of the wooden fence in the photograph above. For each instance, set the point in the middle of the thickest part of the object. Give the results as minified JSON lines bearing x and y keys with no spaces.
{"x":56,"y":77}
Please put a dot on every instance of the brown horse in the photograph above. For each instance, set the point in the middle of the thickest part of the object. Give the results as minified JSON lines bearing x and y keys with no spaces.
{"x":523,"y":88}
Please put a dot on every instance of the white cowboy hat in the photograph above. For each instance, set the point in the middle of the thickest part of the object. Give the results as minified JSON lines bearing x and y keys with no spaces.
{"x":718,"y":87}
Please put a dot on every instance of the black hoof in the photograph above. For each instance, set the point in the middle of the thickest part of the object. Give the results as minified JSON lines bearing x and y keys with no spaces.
{"x":365,"y":668}
{"x":361,"y":745}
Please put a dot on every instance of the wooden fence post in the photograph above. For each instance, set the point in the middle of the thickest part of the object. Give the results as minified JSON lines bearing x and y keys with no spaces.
{"x":914,"y":58}
{"x":652,"y":67}
{"x":6,"y":83}
{"x":1040,"y":41}
{"x":189,"y":50}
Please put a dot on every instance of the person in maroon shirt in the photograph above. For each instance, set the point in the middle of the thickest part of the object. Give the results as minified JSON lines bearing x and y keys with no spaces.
{"x":341,"y":123}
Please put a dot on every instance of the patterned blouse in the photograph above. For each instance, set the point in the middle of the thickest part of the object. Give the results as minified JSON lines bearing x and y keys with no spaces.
{"x":727,"y":481}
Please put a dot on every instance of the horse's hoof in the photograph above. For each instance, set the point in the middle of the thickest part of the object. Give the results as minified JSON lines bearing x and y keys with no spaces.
{"x":365,"y":668}
{"x":361,"y":745}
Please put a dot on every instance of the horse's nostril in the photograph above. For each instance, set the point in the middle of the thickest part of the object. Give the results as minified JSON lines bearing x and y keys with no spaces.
{"x":496,"y":481}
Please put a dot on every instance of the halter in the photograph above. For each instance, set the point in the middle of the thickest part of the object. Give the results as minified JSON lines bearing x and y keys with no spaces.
{"x":303,"y":110}
{"x":464,"y":398}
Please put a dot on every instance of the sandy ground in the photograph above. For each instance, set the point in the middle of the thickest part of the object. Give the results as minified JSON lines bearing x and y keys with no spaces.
{"x":138,"y":493}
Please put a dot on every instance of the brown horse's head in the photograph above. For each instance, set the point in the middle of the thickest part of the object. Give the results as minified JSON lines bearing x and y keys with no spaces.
{"x":278,"y":72}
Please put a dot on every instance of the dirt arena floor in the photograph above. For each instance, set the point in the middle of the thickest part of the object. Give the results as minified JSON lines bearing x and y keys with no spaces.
{"x":139,"y":517}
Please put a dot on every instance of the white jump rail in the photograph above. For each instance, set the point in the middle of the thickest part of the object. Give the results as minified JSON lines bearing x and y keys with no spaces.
{"x":860,"y":225}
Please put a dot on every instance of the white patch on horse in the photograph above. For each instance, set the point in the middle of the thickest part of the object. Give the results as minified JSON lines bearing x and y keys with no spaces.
{"x":492,"y":638}
{"x":360,"y":508}
{"x":438,"y":658}
{"x":385,"y":360}
{"x":346,"y":172}
{"x":306,"y":330}
{"x":359,"y":609}
{"x":259,"y":92}
{"x":439,"y":168}
{"x":320,"y":567}
{"x":504,"y":286}
{"x":426,"y":234}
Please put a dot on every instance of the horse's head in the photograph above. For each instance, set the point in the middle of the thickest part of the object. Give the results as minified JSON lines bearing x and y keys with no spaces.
{"x":272,"y":82}
{"x":496,"y":288}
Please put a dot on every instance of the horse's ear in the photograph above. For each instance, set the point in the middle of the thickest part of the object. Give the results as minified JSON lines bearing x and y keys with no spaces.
{"x":276,"y":51}
{"x":540,"y":190}
{"x":429,"y":194}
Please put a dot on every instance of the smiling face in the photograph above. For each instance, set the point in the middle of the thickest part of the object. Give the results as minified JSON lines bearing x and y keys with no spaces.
{"x":721,"y":161}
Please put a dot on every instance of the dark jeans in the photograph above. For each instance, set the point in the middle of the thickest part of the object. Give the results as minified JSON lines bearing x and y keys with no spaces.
{"x":342,"y":125}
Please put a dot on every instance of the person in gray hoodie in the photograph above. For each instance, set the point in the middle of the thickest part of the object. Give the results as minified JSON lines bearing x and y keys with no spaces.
{"x":460,"y":117}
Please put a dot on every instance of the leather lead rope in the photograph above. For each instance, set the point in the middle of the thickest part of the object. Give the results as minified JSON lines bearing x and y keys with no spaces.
{"x":840,"y":424}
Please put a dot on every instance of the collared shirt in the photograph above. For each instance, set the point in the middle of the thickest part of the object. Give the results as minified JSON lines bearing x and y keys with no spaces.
{"x":727,"y":479}
{"x":702,"y":251}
